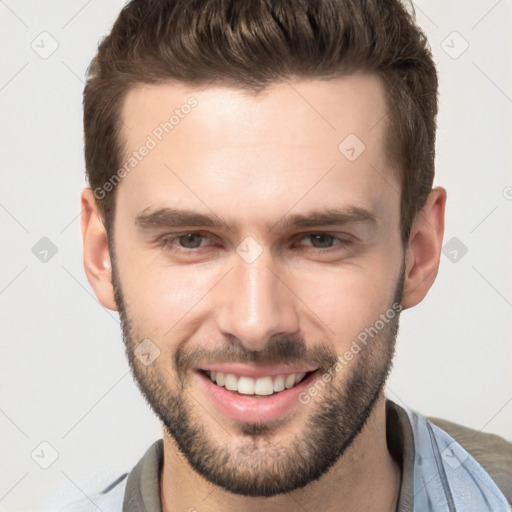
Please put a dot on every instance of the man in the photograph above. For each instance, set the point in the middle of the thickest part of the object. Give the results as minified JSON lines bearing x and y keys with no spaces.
{"x":260,"y":211}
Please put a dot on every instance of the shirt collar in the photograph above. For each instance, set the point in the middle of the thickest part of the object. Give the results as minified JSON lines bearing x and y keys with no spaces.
{"x":143,"y":483}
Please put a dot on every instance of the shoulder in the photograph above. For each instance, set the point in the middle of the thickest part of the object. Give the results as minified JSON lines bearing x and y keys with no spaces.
{"x":109,"y":499}
{"x":492,"y":452}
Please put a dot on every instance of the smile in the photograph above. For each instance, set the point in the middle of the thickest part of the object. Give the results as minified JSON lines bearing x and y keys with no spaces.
{"x":263,"y":386}
{"x":250,"y":394}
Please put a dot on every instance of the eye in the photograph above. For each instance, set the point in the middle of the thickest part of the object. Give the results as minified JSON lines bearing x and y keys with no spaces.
{"x":321,"y":240}
{"x":183,"y":242}
{"x":326,"y":241}
{"x":190,"y":240}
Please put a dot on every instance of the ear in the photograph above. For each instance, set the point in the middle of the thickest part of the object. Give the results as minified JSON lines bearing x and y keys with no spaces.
{"x":423,"y":253}
{"x":97,"y":262}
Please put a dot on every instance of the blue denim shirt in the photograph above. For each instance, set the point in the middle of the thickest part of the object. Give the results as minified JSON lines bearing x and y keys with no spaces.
{"x":446,"y":477}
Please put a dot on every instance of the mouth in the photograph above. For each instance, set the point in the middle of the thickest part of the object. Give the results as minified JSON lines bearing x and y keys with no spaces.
{"x":265,"y":385}
{"x":255,"y":394}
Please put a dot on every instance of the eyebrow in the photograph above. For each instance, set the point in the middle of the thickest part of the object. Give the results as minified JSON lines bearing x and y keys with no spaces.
{"x":179,"y":218}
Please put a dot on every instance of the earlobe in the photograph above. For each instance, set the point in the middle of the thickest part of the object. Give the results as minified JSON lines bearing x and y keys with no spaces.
{"x":97,"y":264}
{"x":423,"y":253}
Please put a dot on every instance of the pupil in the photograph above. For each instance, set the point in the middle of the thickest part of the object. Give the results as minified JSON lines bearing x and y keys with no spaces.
{"x":324,"y":238}
{"x":187,"y":240}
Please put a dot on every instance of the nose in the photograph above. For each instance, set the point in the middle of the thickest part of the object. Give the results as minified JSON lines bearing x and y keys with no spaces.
{"x":255,"y":302}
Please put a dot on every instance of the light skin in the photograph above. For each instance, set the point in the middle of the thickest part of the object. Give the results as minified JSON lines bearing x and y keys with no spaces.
{"x":252,"y":161}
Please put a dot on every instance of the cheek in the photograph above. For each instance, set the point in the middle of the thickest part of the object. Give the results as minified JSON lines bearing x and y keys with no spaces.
{"x":349,"y":299}
{"x":162,"y":298}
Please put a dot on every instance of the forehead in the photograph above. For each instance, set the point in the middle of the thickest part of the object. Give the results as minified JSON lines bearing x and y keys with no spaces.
{"x":314,"y":138}
{"x":355,"y":102}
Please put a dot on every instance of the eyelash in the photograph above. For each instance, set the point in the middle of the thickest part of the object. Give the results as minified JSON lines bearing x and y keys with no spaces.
{"x":166,"y":242}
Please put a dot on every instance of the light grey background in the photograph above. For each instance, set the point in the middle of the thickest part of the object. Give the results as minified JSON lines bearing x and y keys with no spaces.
{"x":64,"y":379}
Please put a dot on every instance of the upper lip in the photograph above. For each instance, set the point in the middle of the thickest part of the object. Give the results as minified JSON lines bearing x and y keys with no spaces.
{"x":256,"y":372}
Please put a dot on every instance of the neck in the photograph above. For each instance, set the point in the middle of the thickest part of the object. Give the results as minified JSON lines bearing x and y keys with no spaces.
{"x":366,"y":477}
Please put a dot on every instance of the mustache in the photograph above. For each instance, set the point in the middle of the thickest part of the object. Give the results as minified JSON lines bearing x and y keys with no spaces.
{"x":279,"y":350}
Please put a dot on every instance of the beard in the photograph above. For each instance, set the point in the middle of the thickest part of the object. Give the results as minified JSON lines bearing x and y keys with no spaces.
{"x":256,"y":463}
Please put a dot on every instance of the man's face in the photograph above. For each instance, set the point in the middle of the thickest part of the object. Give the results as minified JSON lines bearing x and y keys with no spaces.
{"x":268,"y":290}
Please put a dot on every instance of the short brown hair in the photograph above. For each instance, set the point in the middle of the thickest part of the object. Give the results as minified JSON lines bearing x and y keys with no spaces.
{"x":250,"y":44}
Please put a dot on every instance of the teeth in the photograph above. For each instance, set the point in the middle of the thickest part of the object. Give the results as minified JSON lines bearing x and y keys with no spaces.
{"x":263,"y":386}
{"x":246,"y":385}
{"x":279,"y":383}
{"x":231,"y":382}
{"x":299,"y":377}
{"x":289,"y":381}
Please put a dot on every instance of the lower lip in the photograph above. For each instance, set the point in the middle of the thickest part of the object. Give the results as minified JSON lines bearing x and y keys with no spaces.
{"x":254,"y":408}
